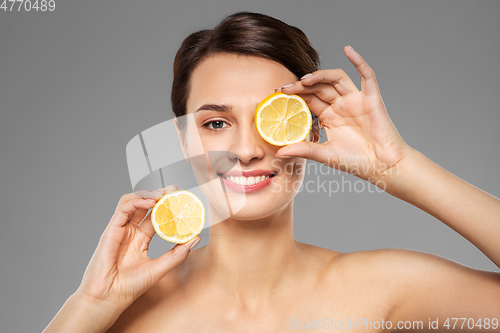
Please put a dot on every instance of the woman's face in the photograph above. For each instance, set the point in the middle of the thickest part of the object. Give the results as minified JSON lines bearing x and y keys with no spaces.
{"x":224,"y":93}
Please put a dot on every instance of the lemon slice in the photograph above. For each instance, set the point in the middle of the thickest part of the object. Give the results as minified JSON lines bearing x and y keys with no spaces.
{"x":283,"y":119}
{"x":178,"y":216}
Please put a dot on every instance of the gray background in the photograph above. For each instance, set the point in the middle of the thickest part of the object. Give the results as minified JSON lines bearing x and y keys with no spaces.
{"x":78,"y":83}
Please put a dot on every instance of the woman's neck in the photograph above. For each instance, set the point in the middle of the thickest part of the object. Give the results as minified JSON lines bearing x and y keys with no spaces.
{"x":253,"y":259}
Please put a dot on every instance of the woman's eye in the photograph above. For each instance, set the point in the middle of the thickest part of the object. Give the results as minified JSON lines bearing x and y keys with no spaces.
{"x":215,"y":124}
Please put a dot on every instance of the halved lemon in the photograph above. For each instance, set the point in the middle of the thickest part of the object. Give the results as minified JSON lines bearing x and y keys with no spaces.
{"x":283,"y":119}
{"x":178,"y":216}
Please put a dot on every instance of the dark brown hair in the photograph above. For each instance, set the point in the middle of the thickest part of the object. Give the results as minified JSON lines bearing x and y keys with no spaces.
{"x":244,"y":33}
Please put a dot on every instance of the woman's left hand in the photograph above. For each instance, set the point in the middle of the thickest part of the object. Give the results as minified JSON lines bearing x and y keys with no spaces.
{"x":361,"y":138}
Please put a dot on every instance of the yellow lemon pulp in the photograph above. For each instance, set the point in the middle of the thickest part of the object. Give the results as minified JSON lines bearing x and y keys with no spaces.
{"x":283,"y":119}
{"x":178,"y":216}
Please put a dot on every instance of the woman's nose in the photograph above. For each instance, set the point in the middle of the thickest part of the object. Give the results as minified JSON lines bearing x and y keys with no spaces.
{"x":248,"y":145}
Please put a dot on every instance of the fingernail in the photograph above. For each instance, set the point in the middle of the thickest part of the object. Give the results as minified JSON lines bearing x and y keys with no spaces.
{"x":306,"y":76}
{"x":349,"y":46}
{"x":167,"y":189}
{"x":160,"y":190}
{"x":170,"y":188}
{"x":151,"y":200}
{"x":284,"y":156}
{"x":195,"y":244}
{"x":288,"y":85}
{"x":147,"y":194}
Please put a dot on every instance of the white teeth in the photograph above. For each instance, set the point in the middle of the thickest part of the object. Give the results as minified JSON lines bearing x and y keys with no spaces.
{"x":246,"y":180}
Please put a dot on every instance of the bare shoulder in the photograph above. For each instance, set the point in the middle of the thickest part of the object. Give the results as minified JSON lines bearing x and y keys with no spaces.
{"x":319,"y":260}
{"x":413,"y":265}
{"x":403,"y":268}
{"x":352,"y":285}
{"x":415,"y":285}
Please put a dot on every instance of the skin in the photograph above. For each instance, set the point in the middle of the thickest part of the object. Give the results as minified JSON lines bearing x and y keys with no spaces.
{"x":254,"y":276}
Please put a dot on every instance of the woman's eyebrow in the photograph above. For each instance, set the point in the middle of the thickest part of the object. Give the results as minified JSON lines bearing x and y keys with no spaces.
{"x":214,"y":107}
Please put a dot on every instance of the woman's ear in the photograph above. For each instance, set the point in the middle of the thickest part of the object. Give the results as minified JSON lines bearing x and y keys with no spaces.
{"x":180,"y":135}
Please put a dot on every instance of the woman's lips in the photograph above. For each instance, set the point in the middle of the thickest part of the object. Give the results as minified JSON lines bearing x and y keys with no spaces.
{"x":242,"y":184}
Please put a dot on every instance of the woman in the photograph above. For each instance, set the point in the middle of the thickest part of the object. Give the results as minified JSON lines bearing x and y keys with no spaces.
{"x":253,"y":275}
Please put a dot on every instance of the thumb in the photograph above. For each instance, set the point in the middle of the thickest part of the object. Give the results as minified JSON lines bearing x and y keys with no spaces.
{"x":170,"y":259}
{"x":306,"y":149}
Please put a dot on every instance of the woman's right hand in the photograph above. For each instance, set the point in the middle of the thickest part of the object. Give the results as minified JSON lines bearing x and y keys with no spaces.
{"x":120,"y":269}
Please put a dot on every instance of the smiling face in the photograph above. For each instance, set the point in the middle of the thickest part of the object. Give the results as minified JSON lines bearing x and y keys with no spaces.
{"x":225,"y":90}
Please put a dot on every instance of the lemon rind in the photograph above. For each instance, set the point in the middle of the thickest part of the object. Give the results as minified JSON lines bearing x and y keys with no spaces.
{"x":174,"y":239}
{"x":267,"y":101}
